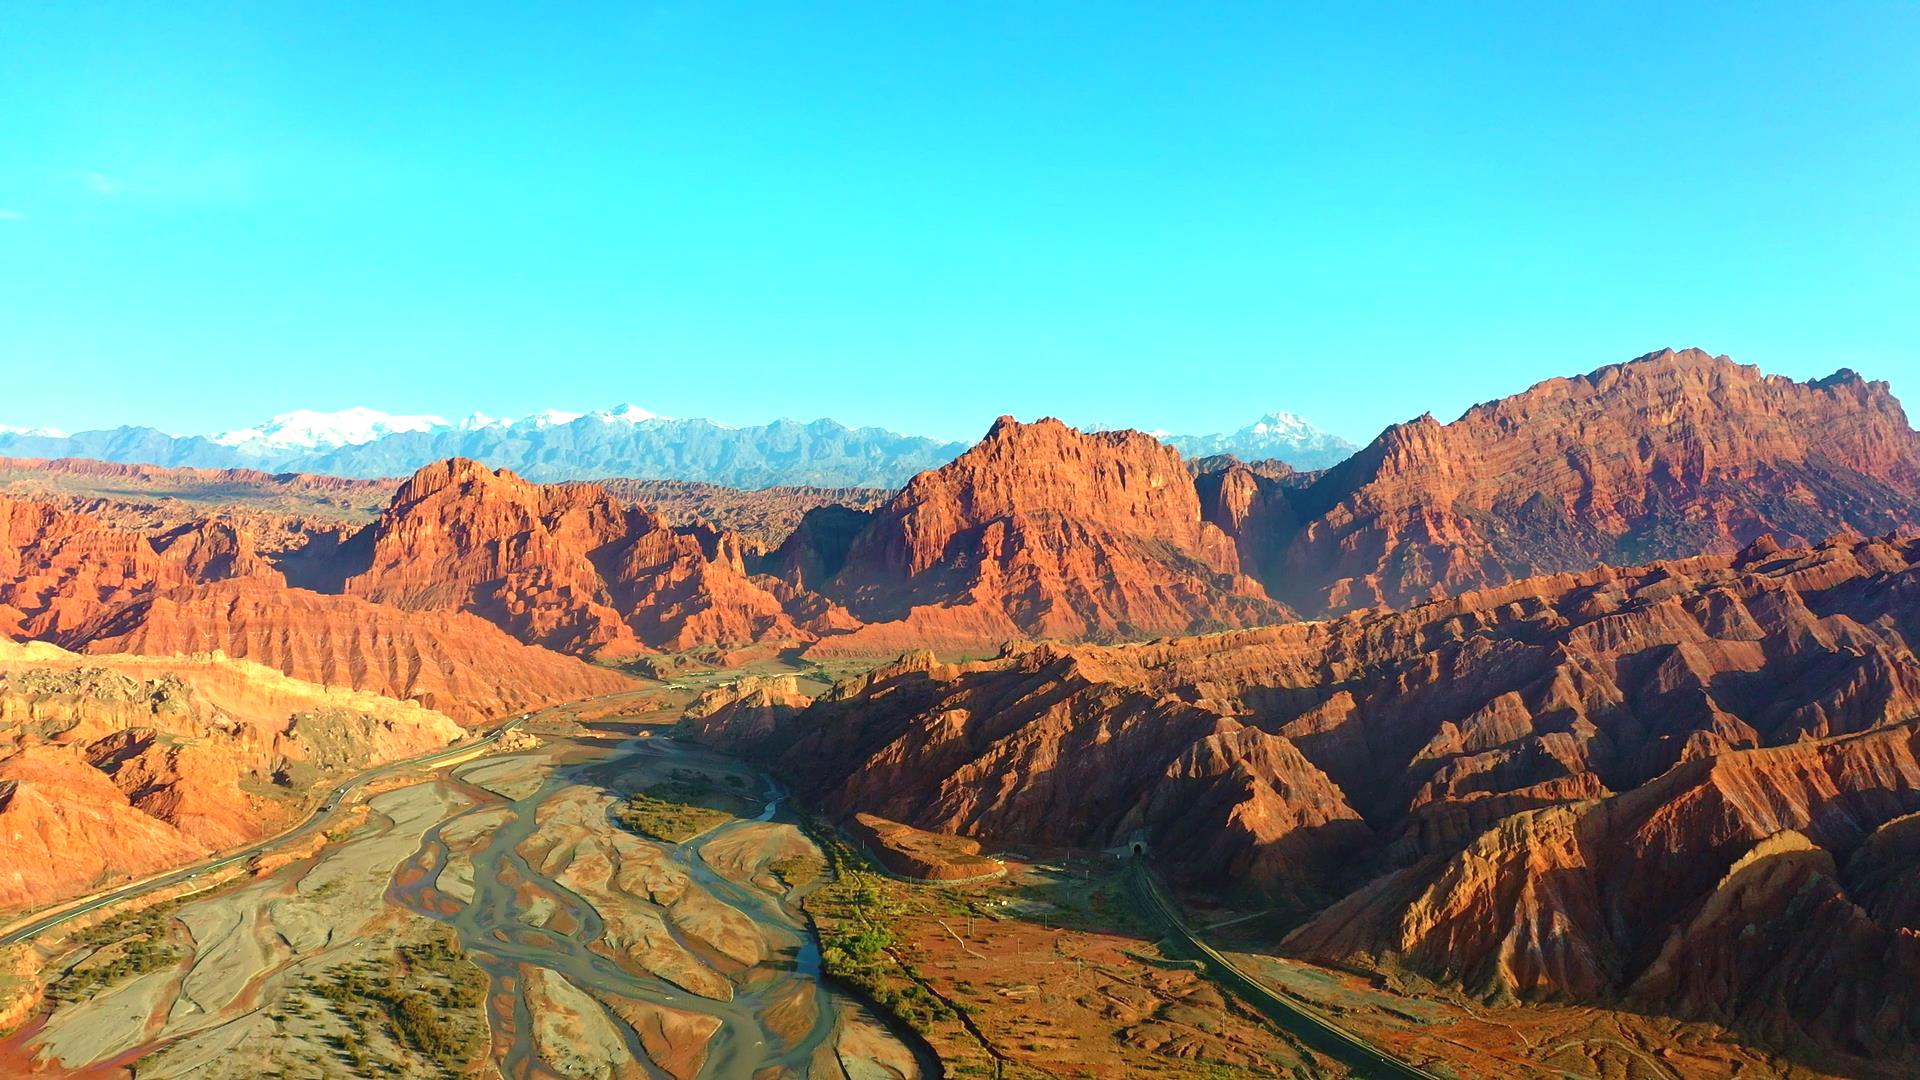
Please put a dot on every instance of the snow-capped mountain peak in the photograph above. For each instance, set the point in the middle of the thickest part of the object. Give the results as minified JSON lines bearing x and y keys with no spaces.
{"x":310,"y":429}
{"x":1283,"y":425}
{"x":628,"y":414}
{"x":307,"y":429}
{"x":480,"y":421}
{"x":1282,"y":435}
{"x":546,"y":418}
{"x":33,"y":432}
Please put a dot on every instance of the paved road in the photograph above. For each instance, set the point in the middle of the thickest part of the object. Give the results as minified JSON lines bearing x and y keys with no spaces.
{"x":317,"y":820}
{"x":1312,"y":1029}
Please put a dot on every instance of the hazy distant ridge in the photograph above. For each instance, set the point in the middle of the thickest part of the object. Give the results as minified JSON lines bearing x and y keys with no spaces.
{"x":623,"y":442}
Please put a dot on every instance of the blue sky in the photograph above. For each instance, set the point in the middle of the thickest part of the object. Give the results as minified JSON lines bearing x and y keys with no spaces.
{"x":924,"y":216}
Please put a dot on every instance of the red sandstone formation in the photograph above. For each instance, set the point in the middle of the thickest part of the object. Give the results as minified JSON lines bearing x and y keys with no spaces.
{"x":920,"y":855}
{"x":60,"y":569}
{"x":68,"y":829}
{"x":451,"y":662}
{"x":1042,"y":745}
{"x":288,"y":518}
{"x":564,"y":566}
{"x":1040,"y":531}
{"x":1672,"y":454}
{"x":119,"y":766}
{"x":1582,"y":785}
{"x":1735,"y":889}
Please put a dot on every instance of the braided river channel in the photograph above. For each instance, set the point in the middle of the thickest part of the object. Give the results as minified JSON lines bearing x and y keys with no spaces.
{"x":600,"y":951}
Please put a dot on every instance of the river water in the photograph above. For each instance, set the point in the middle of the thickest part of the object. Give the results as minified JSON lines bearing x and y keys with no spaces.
{"x":607,"y":955}
{"x":520,"y":917}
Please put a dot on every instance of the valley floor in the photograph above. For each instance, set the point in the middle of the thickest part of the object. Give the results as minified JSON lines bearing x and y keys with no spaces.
{"x":618,"y":904}
{"x":492,"y":913}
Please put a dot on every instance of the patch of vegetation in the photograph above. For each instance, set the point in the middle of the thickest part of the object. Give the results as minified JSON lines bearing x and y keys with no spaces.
{"x":679,"y":809}
{"x":418,"y":995}
{"x":797,"y":869}
{"x":852,"y":913}
{"x":125,"y":947}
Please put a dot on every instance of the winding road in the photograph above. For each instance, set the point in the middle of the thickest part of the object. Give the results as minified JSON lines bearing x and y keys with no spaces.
{"x":1311,"y":1028}
{"x":321,"y":815}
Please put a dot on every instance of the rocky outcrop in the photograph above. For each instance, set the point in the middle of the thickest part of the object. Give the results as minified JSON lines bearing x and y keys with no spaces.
{"x":763,"y":518}
{"x":121,"y":766}
{"x":1252,"y":503}
{"x":450,"y":662}
{"x":69,"y":829}
{"x":153,"y":498}
{"x":59,"y":569}
{"x":920,"y":855}
{"x":214,"y":550}
{"x":1048,"y":744}
{"x":1653,"y":784}
{"x":566,"y":567}
{"x":1673,"y":454}
{"x":289,"y":521}
{"x":204,"y":586}
{"x":746,"y":712}
{"x":1039,"y":531}
{"x":1711,"y":893}
{"x":269,"y":720}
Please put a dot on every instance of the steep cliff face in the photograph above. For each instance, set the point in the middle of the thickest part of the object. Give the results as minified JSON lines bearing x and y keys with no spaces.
{"x":1672,"y":454}
{"x":1042,"y":531}
{"x":1253,"y":503}
{"x":58,"y":569}
{"x":563,"y":566}
{"x":1712,"y":892}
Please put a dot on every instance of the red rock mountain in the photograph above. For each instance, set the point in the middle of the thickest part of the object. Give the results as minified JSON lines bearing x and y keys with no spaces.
{"x":59,"y":569}
{"x":69,"y":828}
{"x":1673,"y":454}
{"x":1037,"y":531}
{"x":452,"y":662}
{"x":1533,"y":789}
{"x":73,"y":580}
{"x":564,"y":566}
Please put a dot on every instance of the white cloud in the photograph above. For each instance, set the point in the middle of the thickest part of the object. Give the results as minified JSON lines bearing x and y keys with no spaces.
{"x":101,"y":183}
{"x":11,"y":215}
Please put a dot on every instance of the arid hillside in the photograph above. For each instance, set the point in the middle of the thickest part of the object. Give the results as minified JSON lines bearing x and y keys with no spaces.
{"x":73,"y":580}
{"x":1672,"y":454}
{"x":1566,"y":786}
{"x":118,"y":766}
{"x":1037,"y":531}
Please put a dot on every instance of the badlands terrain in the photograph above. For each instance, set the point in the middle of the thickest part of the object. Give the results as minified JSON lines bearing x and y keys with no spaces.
{"x":1575,"y":738}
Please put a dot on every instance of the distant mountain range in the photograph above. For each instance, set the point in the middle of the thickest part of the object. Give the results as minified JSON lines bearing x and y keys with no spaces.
{"x":626,"y":441}
{"x":1280,"y":435}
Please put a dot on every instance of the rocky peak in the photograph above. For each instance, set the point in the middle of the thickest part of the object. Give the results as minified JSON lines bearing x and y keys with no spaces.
{"x":566,"y":566}
{"x":1672,"y":453}
{"x":1121,"y":479}
{"x":451,"y":472}
{"x":1042,"y":530}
